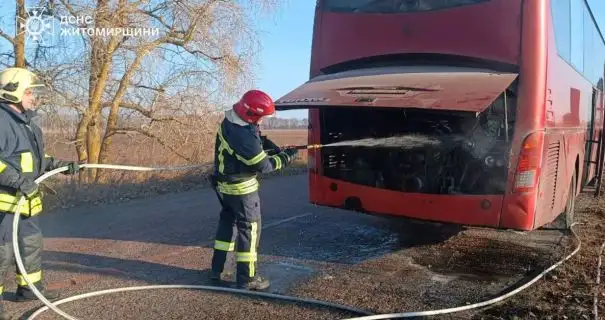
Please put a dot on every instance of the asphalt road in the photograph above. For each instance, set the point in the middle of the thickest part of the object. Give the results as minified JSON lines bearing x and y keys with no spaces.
{"x":376,"y":264}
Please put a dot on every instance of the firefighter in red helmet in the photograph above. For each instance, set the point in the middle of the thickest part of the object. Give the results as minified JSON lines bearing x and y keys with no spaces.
{"x":240,"y":154}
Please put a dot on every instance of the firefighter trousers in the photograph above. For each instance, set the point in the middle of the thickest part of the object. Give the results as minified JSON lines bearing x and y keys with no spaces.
{"x":30,"y":247}
{"x":239,"y":230}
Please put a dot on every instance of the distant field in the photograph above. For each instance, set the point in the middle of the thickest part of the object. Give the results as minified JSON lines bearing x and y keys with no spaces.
{"x":141,"y":151}
{"x":138,"y":150}
{"x":284,"y":137}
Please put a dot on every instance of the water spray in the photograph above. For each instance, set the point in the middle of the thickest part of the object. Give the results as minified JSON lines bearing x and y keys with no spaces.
{"x":409,"y":141}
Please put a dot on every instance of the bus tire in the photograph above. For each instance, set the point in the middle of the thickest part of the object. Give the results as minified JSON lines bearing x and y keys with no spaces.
{"x":570,"y":206}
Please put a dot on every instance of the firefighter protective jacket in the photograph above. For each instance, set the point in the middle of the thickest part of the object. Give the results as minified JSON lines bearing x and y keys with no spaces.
{"x":21,"y":157}
{"x":239,"y":156}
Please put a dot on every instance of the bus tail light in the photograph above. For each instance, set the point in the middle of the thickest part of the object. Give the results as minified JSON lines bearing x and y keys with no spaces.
{"x":530,"y":161}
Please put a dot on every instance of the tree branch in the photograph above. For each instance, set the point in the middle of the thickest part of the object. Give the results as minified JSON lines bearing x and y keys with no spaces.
{"x":71,"y":11}
{"x":71,"y":103}
{"x":181,"y":38}
{"x":160,"y":19}
{"x":194,"y":52}
{"x":140,"y":86}
{"x":152,"y":136}
{"x":145,"y":112}
{"x":7,"y":37}
{"x":12,"y":55}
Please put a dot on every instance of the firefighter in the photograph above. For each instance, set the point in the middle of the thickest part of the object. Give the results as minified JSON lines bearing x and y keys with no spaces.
{"x":22,"y":160}
{"x":239,"y":156}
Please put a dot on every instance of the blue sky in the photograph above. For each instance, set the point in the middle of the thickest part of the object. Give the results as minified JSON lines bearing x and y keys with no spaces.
{"x":286,"y":42}
{"x":287,"y":47}
{"x":598,"y":8}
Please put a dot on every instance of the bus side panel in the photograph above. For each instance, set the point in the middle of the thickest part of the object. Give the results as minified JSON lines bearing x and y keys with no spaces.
{"x":518,"y":209}
{"x":552,"y":155}
{"x":568,"y":109}
{"x":314,"y":130}
{"x":571,"y":113}
{"x":568,"y":113}
{"x":314,"y":157}
{"x":316,"y":45}
{"x":599,"y":116}
{"x":596,"y":129}
{"x":554,"y":176}
{"x":549,"y":202}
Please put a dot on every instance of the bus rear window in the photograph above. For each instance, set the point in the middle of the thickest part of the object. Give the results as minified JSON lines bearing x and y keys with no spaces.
{"x":393,"y":6}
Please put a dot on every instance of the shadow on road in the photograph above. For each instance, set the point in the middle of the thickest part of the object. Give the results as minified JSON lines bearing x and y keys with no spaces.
{"x":82,"y":263}
{"x":85,"y":270}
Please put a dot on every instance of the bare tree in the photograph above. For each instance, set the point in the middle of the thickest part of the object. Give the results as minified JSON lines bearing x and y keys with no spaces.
{"x":143,"y":67}
{"x":198,"y":50}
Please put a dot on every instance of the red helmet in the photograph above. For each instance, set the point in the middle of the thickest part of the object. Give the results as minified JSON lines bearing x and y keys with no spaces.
{"x":254,"y":105}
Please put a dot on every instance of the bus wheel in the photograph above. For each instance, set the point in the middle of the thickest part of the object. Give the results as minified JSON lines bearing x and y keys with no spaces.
{"x":571,"y":203}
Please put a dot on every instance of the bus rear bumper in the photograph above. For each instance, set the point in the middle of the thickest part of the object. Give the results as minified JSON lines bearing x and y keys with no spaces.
{"x":472,"y":210}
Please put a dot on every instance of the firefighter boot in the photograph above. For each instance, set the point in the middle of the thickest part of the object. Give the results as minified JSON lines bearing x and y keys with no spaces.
{"x":215,"y":277}
{"x":257,"y":283}
{"x":24,"y":294}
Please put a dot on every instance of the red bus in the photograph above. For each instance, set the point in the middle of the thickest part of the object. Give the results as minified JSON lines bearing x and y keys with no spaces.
{"x":511,"y":89}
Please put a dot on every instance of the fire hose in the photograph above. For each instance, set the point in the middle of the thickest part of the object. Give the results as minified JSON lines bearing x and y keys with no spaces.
{"x":365,"y":314}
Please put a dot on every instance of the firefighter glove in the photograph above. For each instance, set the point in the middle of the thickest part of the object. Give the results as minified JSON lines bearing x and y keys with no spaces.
{"x":290,"y":154}
{"x":30,"y":189}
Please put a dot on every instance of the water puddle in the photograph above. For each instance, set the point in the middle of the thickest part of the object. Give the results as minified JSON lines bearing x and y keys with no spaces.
{"x":285,"y":274}
{"x":445,"y":276}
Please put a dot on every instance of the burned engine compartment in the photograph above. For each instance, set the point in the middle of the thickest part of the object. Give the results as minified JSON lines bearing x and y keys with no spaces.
{"x":471,"y":156}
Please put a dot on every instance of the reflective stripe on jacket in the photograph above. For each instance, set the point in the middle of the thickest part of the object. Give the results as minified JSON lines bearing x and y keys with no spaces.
{"x":21,"y":157}
{"x":239,"y":157}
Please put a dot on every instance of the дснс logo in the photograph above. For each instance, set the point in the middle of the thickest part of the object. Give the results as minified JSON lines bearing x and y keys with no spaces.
{"x":36,"y":25}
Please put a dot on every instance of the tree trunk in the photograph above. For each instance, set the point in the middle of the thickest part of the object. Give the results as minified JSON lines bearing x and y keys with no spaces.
{"x":93,"y":144}
{"x":96,"y":64}
{"x":100,"y":67}
{"x":112,"y":120}
{"x":81,"y":148}
{"x":19,"y":43}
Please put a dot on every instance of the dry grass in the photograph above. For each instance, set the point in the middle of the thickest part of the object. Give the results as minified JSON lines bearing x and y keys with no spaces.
{"x":118,"y":185}
{"x":568,"y":291}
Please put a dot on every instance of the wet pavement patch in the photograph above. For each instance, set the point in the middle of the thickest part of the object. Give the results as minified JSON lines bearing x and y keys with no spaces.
{"x":285,"y":274}
{"x":328,"y":239}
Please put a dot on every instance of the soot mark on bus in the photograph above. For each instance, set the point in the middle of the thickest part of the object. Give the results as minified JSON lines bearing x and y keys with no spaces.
{"x":420,"y":150}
